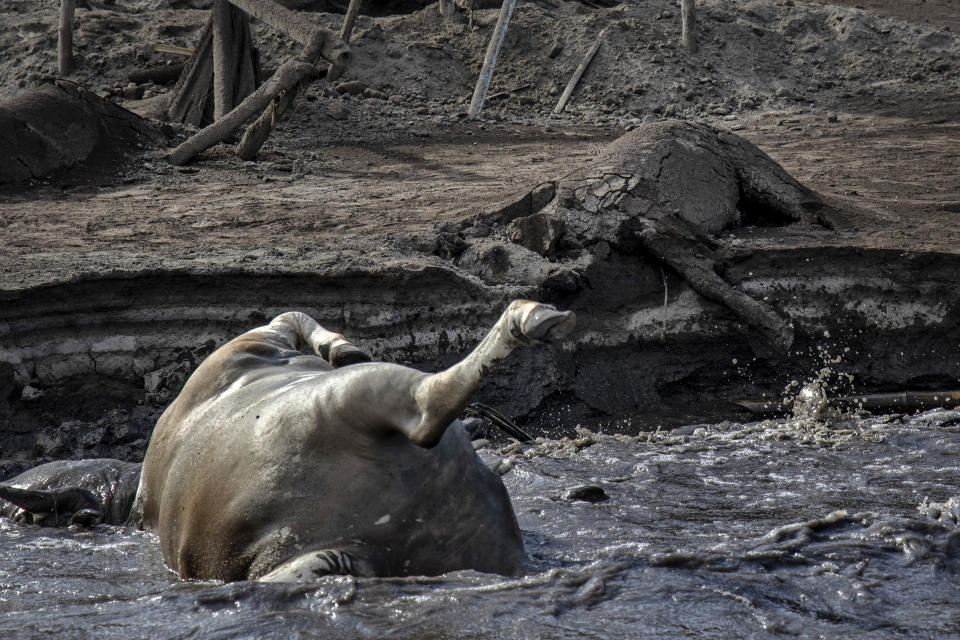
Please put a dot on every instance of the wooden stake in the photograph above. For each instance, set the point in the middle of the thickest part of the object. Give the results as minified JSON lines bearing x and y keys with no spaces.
{"x":223,"y":64}
{"x":578,"y":73}
{"x":65,"y":40}
{"x":286,"y":77}
{"x":349,"y":20}
{"x":490,"y":60}
{"x":688,"y":13}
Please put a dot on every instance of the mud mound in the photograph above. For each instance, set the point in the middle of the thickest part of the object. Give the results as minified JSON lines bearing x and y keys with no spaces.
{"x":60,"y":124}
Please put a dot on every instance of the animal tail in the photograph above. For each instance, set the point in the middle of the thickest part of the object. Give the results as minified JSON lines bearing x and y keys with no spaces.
{"x":498,"y":420}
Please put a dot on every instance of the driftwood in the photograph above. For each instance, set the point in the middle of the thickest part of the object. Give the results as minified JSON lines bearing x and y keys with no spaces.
{"x":490,"y":59}
{"x":577,"y":74}
{"x":288,"y":75}
{"x":688,"y":13}
{"x":65,"y":37}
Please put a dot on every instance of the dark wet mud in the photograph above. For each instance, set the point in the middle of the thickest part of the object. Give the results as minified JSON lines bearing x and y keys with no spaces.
{"x":761,"y":530}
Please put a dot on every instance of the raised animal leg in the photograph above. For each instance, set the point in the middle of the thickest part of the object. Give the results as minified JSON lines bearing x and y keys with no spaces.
{"x":301,"y":330}
{"x":440,"y":398}
{"x":50,"y":507}
{"x":316,"y":564}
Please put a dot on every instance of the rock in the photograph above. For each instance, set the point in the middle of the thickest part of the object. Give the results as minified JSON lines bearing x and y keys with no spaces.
{"x":374,"y":93}
{"x":350,"y":87}
{"x":538,"y":232}
{"x":586,"y":493}
{"x":396,"y":99}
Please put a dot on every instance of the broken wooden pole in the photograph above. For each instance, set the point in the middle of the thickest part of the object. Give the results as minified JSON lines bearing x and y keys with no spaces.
{"x":688,"y":14}
{"x":223,"y":75}
{"x":578,"y":73}
{"x":65,"y":37}
{"x":490,"y":60}
{"x":296,"y":26}
{"x":258,"y":132}
{"x":287,"y":76}
{"x":349,"y":20}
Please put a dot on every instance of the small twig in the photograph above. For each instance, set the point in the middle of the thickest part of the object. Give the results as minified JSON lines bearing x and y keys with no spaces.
{"x":162,"y":47}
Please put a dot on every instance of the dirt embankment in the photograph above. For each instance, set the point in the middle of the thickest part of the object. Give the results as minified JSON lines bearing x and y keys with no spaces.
{"x":114,"y":283}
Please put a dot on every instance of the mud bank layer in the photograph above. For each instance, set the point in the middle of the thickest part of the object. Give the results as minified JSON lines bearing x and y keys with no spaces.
{"x":86,"y":366}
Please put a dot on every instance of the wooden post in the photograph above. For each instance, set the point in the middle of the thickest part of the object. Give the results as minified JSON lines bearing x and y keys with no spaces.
{"x":578,"y":73}
{"x":349,"y":20}
{"x":490,"y":60}
{"x":223,"y":75}
{"x":287,"y":76}
{"x":65,"y":40}
{"x":258,"y":132}
{"x":688,"y":13}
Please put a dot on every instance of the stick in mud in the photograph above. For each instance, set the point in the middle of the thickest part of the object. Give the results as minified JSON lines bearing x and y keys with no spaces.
{"x":349,"y":20}
{"x":222,"y":67}
{"x":286,"y":77}
{"x":490,"y":60}
{"x":688,"y":13}
{"x":65,"y":39}
{"x":578,"y":73}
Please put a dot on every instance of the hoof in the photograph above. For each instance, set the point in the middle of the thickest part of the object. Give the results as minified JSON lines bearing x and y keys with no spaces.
{"x":345,"y":354}
{"x":543,"y":323}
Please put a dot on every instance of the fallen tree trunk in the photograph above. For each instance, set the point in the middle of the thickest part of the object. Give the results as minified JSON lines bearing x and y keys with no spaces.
{"x":288,"y":75}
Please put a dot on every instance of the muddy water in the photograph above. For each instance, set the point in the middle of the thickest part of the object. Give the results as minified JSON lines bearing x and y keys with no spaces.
{"x":712,"y":531}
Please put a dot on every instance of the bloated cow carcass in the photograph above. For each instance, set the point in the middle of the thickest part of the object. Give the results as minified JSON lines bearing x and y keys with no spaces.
{"x":278,"y":465}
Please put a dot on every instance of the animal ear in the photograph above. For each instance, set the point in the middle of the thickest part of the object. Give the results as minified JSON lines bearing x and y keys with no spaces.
{"x":62,"y":501}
